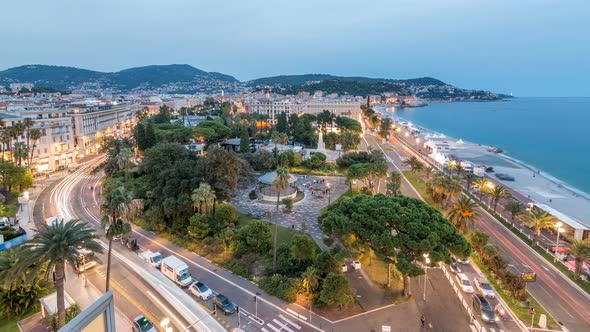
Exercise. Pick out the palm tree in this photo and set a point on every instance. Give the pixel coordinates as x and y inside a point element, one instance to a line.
<point>538,219</point>
<point>55,246</point>
<point>414,164</point>
<point>20,152</point>
<point>464,213</point>
<point>469,179</point>
<point>515,208</point>
<point>395,177</point>
<point>124,162</point>
<point>459,169</point>
<point>203,198</point>
<point>34,135</point>
<point>580,249</point>
<point>453,187</point>
<point>28,124</point>
<point>4,141</point>
<point>118,206</point>
<point>497,193</point>
<point>392,189</point>
<point>427,173</point>
<point>280,183</point>
<point>483,185</point>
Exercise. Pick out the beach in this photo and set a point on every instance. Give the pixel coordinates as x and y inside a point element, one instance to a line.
<point>531,184</point>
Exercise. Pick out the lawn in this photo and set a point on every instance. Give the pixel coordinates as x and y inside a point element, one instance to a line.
<point>420,187</point>
<point>12,205</point>
<point>376,269</point>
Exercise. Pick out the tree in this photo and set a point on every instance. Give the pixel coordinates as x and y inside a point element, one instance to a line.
<point>469,179</point>
<point>316,160</point>
<point>497,193</point>
<point>52,248</point>
<point>34,135</point>
<point>244,140</point>
<point>280,183</point>
<point>326,263</point>
<point>211,130</point>
<point>124,162</point>
<point>139,136</point>
<point>149,135</point>
<point>28,124</point>
<point>515,208</point>
<point>311,280</point>
<point>220,169</point>
<point>227,215</point>
<point>163,115</point>
<point>350,140</point>
<point>483,185</point>
<point>385,127</point>
<point>325,118</point>
<point>199,226</point>
<point>538,219</point>
<point>254,238</point>
<point>282,124</point>
<point>336,289</point>
<point>580,249</point>
<point>347,124</point>
<point>303,248</point>
<point>203,198</point>
<point>427,172</point>
<point>464,213</point>
<point>393,188</point>
<point>20,152</point>
<point>398,227</point>
<point>118,207</point>
<point>414,164</point>
<point>489,252</point>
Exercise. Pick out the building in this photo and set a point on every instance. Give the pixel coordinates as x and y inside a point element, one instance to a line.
<point>92,123</point>
<point>56,145</point>
<point>16,87</point>
<point>272,108</point>
<point>339,106</point>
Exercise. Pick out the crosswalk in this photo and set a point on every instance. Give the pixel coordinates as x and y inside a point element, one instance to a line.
<point>282,324</point>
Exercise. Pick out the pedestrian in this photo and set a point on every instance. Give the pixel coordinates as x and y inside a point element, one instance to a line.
<point>423,320</point>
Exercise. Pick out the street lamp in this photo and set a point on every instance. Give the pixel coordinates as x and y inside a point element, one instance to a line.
<point>329,190</point>
<point>559,230</point>
<point>427,260</point>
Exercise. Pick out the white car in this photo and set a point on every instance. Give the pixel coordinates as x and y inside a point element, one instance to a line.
<point>464,283</point>
<point>201,290</point>
<point>484,287</point>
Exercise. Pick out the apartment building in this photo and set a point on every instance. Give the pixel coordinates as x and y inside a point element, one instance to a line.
<point>56,146</point>
<point>272,108</point>
<point>92,123</point>
<point>342,106</point>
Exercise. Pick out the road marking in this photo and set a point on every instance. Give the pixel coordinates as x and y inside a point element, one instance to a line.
<point>264,329</point>
<point>282,325</point>
<point>272,327</point>
<point>289,321</point>
<point>296,314</point>
<point>567,312</point>
<point>167,310</point>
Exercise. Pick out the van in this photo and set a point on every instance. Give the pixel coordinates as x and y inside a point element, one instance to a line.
<point>176,270</point>
<point>464,283</point>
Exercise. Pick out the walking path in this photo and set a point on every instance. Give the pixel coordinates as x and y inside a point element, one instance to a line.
<point>305,213</point>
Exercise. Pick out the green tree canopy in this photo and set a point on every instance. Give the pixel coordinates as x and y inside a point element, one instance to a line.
<point>254,238</point>
<point>212,130</point>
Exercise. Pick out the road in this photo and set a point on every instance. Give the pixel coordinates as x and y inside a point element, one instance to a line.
<point>558,294</point>
<point>273,314</point>
<point>395,154</point>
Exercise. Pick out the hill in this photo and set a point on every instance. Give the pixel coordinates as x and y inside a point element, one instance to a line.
<point>294,80</point>
<point>164,78</point>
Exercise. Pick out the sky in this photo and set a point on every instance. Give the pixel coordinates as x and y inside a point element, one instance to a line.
<point>527,47</point>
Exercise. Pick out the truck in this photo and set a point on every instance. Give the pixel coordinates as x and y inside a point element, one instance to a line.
<point>152,258</point>
<point>176,270</point>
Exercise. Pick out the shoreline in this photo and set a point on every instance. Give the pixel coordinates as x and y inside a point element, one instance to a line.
<point>541,187</point>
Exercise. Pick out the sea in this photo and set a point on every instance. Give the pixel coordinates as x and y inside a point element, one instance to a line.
<point>548,134</point>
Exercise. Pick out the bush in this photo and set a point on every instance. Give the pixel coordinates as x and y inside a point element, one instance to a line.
<point>328,241</point>
<point>288,204</point>
<point>282,287</point>
<point>253,195</point>
<point>71,312</point>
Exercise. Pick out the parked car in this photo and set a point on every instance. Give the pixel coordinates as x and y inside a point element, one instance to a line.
<point>482,308</point>
<point>223,303</point>
<point>464,261</point>
<point>142,324</point>
<point>356,265</point>
<point>561,249</point>
<point>464,283</point>
<point>344,267</point>
<point>484,287</point>
<point>201,290</point>
<point>455,268</point>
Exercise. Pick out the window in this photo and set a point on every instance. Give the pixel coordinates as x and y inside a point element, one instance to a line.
<point>45,150</point>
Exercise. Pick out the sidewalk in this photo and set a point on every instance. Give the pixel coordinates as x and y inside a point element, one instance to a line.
<point>85,294</point>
